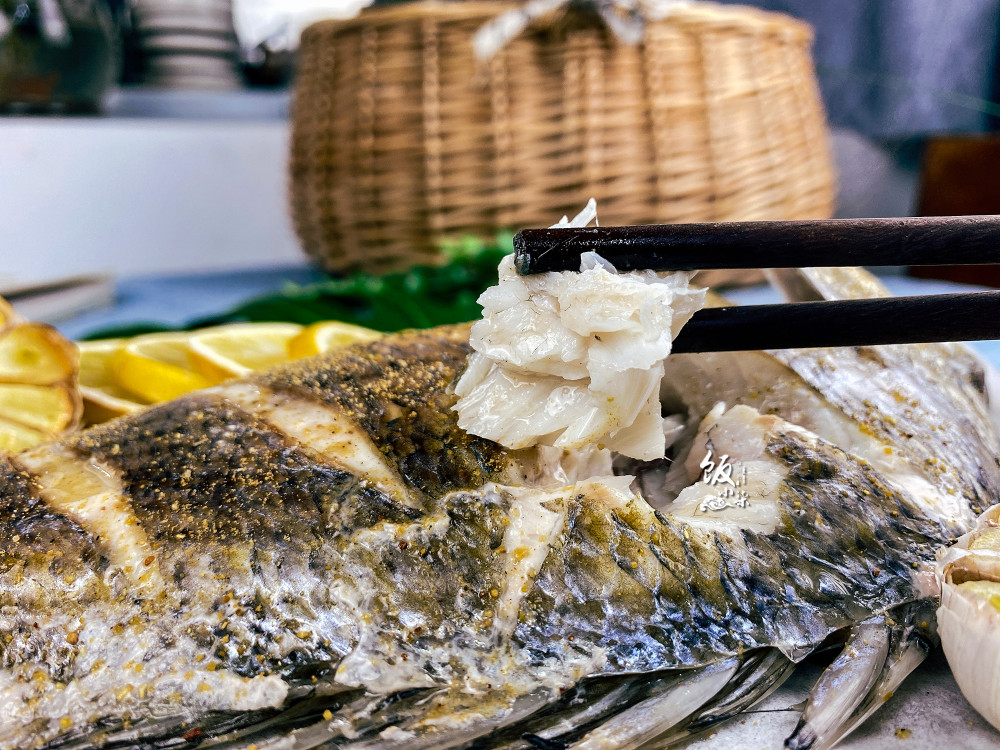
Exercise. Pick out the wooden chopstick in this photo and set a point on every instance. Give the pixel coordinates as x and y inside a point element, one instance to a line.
<point>946,240</point>
<point>969,316</point>
<point>938,240</point>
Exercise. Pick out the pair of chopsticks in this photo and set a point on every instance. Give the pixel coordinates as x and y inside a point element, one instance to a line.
<point>952,240</point>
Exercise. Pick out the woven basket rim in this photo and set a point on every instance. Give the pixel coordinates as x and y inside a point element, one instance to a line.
<point>401,137</point>
<point>740,18</point>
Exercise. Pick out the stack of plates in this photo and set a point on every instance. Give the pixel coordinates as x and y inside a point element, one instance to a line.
<point>187,43</point>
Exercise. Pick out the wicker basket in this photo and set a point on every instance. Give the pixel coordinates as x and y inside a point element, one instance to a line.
<point>401,138</point>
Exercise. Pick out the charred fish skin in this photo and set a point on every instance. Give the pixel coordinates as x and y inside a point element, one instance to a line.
<point>240,522</point>
<point>914,411</point>
<point>918,411</point>
<point>406,410</point>
<point>945,430</point>
<point>240,528</point>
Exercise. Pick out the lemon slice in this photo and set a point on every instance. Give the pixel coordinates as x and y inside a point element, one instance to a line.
<point>118,376</point>
<point>326,335</point>
<point>103,397</point>
<point>157,367</point>
<point>241,348</point>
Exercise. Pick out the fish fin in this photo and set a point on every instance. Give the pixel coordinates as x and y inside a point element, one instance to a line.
<point>212,729</point>
<point>759,675</point>
<point>160,732</point>
<point>361,716</point>
<point>652,717</point>
<point>913,636</point>
<point>844,685</point>
<point>581,708</point>
<point>410,732</point>
<point>624,710</point>
<point>597,702</point>
<point>792,286</point>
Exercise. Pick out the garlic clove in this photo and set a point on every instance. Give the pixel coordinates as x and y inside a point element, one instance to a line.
<point>969,616</point>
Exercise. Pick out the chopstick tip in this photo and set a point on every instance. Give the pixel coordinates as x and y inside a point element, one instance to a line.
<point>522,258</point>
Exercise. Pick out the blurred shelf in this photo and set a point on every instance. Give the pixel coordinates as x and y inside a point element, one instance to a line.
<point>142,103</point>
<point>136,102</point>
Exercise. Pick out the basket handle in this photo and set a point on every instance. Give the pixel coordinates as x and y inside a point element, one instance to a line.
<point>625,18</point>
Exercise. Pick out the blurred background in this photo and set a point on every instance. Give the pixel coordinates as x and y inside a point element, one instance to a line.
<point>142,138</point>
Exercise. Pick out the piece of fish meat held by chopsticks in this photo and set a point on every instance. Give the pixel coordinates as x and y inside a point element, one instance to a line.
<point>320,556</point>
<point>574,359</point>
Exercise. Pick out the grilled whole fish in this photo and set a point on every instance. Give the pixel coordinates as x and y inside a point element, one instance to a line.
<point>319,557</point>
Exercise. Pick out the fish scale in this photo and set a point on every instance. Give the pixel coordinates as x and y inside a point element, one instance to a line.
<point>745,608</point>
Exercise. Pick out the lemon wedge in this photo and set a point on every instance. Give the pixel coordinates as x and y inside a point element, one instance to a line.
<point>38,382</point>
<point>103,397</point>
<point>326,335</point>
<point>240,348</point>
<point>118,376</point>
<point>157,367</point>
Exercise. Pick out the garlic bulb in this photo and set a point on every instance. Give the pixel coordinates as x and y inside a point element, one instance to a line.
<point>969,615</point>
